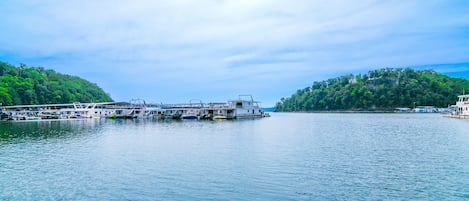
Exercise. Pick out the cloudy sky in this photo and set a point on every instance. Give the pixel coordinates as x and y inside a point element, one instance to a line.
<point>176,50</point>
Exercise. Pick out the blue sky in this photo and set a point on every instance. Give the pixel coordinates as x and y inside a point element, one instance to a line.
<point>213,50</point>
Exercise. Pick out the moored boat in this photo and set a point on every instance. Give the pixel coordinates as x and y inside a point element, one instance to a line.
<point>190,114</point>
<point>246,108</point>
<point>461,108</point>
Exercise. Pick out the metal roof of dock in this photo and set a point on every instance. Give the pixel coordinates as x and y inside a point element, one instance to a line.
<point>63,105</point>
<point>250,99</point>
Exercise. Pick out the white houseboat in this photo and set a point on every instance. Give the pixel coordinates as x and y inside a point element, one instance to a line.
<point>461,109</point>
<point>246,108</point>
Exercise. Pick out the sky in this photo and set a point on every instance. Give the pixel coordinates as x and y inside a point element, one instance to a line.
<point>214,50</point>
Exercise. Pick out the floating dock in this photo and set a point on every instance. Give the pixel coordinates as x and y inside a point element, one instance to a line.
<point>233,109</point>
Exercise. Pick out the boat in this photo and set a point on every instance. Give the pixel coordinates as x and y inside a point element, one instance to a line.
<point>4,116</point>
<point>425,109</point>
<point>24,118</point>
<point>461,108</point>
<point>33,118</point>
<point>220,117</point>
<point>125,113</point>
<point>49,115</point>
<point>220,111</point>
<point>246,107</point>
<point>190,114</point>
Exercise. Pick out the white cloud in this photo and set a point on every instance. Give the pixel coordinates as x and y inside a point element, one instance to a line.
<point>209,45</point>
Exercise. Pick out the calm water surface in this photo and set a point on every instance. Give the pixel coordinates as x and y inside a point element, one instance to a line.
<point>284,157</point>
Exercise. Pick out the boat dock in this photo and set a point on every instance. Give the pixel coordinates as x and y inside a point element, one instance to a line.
<point>234,109</point>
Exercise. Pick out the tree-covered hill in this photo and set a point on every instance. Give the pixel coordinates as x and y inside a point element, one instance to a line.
<point>383,89</point>
<point>23,85</point>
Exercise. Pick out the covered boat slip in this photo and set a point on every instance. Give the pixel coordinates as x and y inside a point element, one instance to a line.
<point>60,111</point>
<point>200,111</point>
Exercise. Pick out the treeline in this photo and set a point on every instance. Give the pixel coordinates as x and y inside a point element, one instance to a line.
<point>383,89</point>
<point>24,85</point>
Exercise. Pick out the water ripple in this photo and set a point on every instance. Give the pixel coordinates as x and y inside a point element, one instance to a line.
<point>285,157</point>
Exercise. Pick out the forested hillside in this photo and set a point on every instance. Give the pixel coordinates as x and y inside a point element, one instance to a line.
<point>23,85</point>
<point>383,89</point>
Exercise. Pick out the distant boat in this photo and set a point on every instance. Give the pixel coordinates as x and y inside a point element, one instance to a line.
<point>425,109</point>
<point>461,108</point>
<point>403,110</point>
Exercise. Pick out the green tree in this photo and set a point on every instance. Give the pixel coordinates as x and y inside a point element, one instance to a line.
<point>382,89</point>
<point>29,85</point>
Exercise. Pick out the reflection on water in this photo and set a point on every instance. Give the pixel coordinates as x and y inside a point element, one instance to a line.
<point>38,130</point>
<point>284,157</point>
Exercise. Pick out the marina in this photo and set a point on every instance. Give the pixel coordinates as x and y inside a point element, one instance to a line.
<point>242,107</point>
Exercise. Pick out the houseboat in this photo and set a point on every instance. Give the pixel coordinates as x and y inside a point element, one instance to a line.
<point>246,107</point>
<point>461,108</point>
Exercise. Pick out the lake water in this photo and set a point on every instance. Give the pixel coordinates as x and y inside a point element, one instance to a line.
<point>284,157</point>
